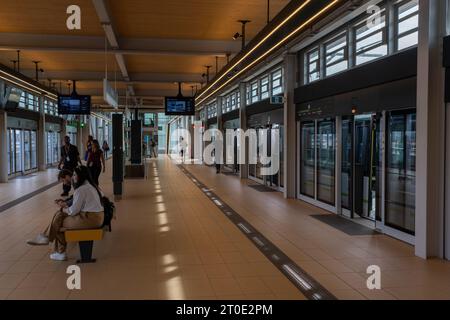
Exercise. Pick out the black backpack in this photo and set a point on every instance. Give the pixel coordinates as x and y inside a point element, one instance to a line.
<point>108,208</point>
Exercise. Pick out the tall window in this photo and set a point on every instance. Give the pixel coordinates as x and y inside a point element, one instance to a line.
<point>211,111</point>
<point>254,92</point>
<point>407,17</point>
<point>336,55</point>
<point>265,88</point>
<point>371,40</point>
<point>277,82</point>
<point>313,65</point>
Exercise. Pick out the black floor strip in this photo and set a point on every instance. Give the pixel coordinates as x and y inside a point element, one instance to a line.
<point>347,226</point>
<point>261,188</point>
<point>312,289</point>
<point>14,203</point>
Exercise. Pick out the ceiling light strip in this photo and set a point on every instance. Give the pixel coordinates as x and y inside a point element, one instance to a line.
<point>272,49</point>
<point>258,44</point>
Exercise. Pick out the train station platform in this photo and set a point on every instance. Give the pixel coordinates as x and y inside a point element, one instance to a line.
<point>172,239</point>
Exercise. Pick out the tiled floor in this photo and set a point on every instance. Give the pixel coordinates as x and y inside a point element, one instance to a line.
<point>338,261</point>
<point>20,186</point>
<point>171,242</point>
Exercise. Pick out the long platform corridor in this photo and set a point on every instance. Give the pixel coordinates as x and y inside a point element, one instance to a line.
<point>183,247</point>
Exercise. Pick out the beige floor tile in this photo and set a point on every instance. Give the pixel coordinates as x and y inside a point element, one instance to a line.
<point>36,280</point>
<point>11,281</point>
<point>26,294</point>
<point>224,286</point>
<point>252,285</point>
<point>217,271</point>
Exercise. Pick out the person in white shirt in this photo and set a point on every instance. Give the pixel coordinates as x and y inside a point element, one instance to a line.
<point>85,212</point>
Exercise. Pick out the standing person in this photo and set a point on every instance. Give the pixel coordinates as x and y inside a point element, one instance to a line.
<point>105,148</point>
<point>88,147</point>
<point>70,158</point>
<point>153,149</point>
<point>183,147</point>
<point>144,149</point>
<point>96,161</point>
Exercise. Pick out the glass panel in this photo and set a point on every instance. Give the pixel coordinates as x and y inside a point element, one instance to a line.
<point>371,54</point>
<point>337,68</point>
<point>408,24</point>
<point>265,88</point>
<point>407,8</point>
<point>401,171</point>
<point>27,150</point>
<point>277,82</point>
<point>346,182</point>
<point>18,150</point>
<point>307,162</point>
<point>408,41</point>
<point>326,150</point>
<point>254,93</point>
<point>33,150</point>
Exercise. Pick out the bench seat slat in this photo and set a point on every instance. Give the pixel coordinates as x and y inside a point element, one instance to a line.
<point>84,235</point>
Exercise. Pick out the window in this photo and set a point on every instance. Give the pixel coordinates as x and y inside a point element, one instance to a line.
<point>313,65</point>
<point>211,111</point>
<point>254,96</point>
<point>370,40</point>
<point>407,17</point>
<point>277,82</point>
<point>248,95</point>
<point>264,88</point>
<point>233,101</point>
<point>22,100</point>
<point>336,55</point>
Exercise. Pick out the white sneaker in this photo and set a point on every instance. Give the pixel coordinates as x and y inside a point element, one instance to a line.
<point>58,256</point>
<point>40,240</point>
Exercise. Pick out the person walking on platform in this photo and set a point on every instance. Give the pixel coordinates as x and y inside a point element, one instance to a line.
<point>70,158</point>
<point>96,161</point>
<point>88,147</point>
<point>85,212</point>
<point>183,148</point>
<point>153,149</point>
<point>105,148</point>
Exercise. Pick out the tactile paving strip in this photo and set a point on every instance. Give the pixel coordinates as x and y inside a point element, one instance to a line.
<point>307,285</point>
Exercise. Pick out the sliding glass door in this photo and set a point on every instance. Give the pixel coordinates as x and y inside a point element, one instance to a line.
<point>318,161</point>
<point>401,171</point>
<point>307,158</point>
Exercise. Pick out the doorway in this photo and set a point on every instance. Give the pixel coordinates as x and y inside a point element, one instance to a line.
<point>361,165</point>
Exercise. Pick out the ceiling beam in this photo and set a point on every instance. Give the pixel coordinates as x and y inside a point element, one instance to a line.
<point>141,77</point>
<point>105,20</point>
<point>140,93</point>
<point>128,46</point>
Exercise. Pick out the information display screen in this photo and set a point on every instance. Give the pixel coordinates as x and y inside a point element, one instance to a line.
<point>71,104</point>
<point>180,106</point>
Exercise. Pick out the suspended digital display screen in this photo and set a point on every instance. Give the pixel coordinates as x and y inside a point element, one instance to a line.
<point>74,104</point>
<point>180,106</point>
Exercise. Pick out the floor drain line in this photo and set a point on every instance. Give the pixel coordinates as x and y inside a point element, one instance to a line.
<point>307,285</point>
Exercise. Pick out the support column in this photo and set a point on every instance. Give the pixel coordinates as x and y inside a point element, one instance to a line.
<point>42,142</point>
<point>243,168</point>
<point>85,132</point>
<point>290,67</point>
<point>79,142</point>
<point>4,161</point>
<point>220,128</point>
<point>430,131</point>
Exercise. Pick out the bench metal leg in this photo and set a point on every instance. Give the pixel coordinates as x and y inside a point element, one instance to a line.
<point>86,252</point>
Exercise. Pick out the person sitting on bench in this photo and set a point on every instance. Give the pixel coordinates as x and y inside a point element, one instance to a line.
<point>86,212</point>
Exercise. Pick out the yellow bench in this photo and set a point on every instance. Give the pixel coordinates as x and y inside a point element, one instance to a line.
<point>85,239</point>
